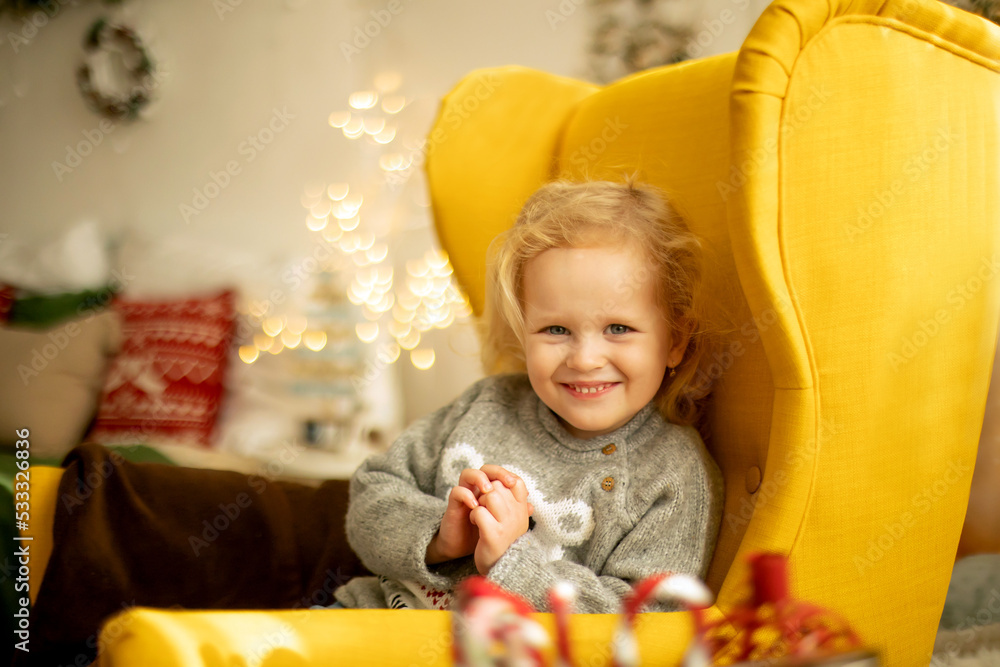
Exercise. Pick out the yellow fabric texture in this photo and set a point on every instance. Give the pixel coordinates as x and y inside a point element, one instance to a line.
<point>873,228</point>
<point>482,107</point>
<point>844,171</point>
<point>157,638</point>
<point>43,486</point>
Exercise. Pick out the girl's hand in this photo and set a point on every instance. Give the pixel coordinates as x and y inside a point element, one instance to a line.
<point>458,536</point>
<point>501,518</point>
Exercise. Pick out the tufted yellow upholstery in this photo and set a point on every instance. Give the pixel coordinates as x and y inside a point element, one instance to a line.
<point>854,200</point>
<point>844,169</point>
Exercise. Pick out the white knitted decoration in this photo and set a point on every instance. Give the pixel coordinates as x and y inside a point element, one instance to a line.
<point>559,524</point>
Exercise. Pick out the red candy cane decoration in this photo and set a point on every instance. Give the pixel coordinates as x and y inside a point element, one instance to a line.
<point>666,588</point>
<point>491,615</point>
<point>495,627</point>
<point>562,596</point>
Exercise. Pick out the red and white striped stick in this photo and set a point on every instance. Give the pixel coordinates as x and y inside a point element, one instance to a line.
<point>562,597</point>
<point>666,588</point>
<point>489,616</point>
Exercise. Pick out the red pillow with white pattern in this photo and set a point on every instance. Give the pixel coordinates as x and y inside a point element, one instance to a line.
<point>6,301</point>
<point>167,381</point>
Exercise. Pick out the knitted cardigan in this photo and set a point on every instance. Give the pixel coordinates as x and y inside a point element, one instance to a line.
<point>609,510</point>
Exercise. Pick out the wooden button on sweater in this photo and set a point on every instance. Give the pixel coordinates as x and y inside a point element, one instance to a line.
<point>609,449</point>
<point>608,483</point>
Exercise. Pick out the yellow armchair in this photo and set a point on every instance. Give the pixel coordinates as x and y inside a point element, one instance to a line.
<point>844,170</point>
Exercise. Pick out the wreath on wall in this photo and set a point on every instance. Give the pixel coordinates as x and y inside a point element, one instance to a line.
<point>117,75</point>
<point>633,35</point>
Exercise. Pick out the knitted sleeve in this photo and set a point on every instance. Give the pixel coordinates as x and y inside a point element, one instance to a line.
<point>393,512</point>
<point>676,533</point>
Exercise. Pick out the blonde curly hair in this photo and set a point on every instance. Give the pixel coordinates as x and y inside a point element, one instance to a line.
<point>566,214</point>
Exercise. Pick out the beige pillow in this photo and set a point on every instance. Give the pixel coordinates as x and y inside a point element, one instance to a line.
<point>51,379</point>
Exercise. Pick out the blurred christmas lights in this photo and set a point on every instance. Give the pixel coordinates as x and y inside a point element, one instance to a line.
<point>402,308</point>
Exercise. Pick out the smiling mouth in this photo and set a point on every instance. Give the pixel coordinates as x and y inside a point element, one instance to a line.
<point>590,389</point>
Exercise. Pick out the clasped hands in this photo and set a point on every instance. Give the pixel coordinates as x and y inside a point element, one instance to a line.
<point>486,512</point>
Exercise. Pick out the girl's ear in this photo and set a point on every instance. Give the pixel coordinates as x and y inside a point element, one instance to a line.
<point>680,336</point>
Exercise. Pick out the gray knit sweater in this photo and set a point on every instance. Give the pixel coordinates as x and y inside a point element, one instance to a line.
<point>609,510</point>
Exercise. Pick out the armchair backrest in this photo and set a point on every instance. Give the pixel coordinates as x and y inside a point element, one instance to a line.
<point>844,171</point>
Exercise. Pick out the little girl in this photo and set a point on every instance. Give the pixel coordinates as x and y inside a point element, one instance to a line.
<point>583,466</point>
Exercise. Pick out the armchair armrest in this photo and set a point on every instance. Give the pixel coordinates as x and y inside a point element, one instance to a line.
<point>43,486</point>
<point>298,638</point>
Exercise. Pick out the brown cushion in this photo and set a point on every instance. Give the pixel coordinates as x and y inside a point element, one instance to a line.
<point>50,380</point>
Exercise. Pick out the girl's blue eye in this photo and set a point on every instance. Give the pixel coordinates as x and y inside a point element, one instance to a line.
<point>557,330</point>
<point>618,329</point>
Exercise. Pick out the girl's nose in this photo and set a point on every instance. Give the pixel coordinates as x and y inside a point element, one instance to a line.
<point>586,355</point>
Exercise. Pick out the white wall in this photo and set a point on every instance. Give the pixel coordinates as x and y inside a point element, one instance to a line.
<point>226,72</point>
<point>724,24</point>
<point>225,78</point>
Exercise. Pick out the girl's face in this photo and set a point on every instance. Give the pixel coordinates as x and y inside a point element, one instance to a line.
<point>595,342</point>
